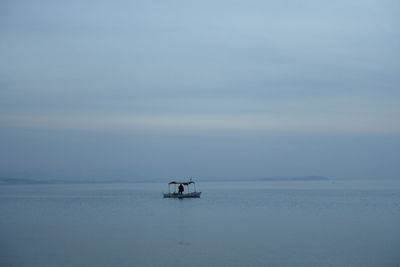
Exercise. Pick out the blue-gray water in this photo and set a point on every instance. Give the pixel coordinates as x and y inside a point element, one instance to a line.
<point>305,223</point>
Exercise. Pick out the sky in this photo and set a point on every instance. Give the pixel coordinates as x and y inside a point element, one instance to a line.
<point>142,90</point>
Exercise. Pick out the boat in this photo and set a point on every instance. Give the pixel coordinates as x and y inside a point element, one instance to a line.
<point>190,189</point>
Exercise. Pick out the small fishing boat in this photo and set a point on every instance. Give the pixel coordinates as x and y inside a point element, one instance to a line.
<point>178,190</point>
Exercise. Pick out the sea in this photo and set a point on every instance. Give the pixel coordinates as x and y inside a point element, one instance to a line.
<point>262,223</point>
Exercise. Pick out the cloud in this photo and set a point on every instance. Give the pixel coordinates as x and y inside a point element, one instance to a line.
<point>195,123</point>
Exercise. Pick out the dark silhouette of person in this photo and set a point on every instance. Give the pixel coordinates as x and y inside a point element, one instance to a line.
<point>181,189</point>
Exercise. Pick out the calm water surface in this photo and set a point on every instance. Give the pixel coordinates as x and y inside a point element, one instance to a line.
<point>328,223</point>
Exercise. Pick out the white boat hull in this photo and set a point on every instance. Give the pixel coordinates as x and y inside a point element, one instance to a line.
<point>177,195</point>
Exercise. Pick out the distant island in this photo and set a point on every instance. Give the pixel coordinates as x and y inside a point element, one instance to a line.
<point>310,178</point>
<point>6,180</point>
<point>298,178</point>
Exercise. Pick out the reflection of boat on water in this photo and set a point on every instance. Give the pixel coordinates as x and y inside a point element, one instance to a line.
<point>190,186</point>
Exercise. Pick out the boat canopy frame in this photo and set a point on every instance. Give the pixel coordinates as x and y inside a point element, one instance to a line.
<point>191,190</point>
<point>184,183</point>
<point>179,183</point>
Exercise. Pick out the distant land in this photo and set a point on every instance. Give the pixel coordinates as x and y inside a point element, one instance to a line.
<point>16,181</point>
<point>5,180</point>
<point>297,178</point>
<point>310,178</point>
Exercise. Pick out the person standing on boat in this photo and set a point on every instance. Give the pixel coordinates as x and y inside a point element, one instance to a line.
<point>181,189</point>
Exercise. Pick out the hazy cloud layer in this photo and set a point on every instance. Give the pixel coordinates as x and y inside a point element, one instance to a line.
<point>210,123</point>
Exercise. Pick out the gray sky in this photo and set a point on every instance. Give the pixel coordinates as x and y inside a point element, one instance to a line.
<point>156,89</point>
